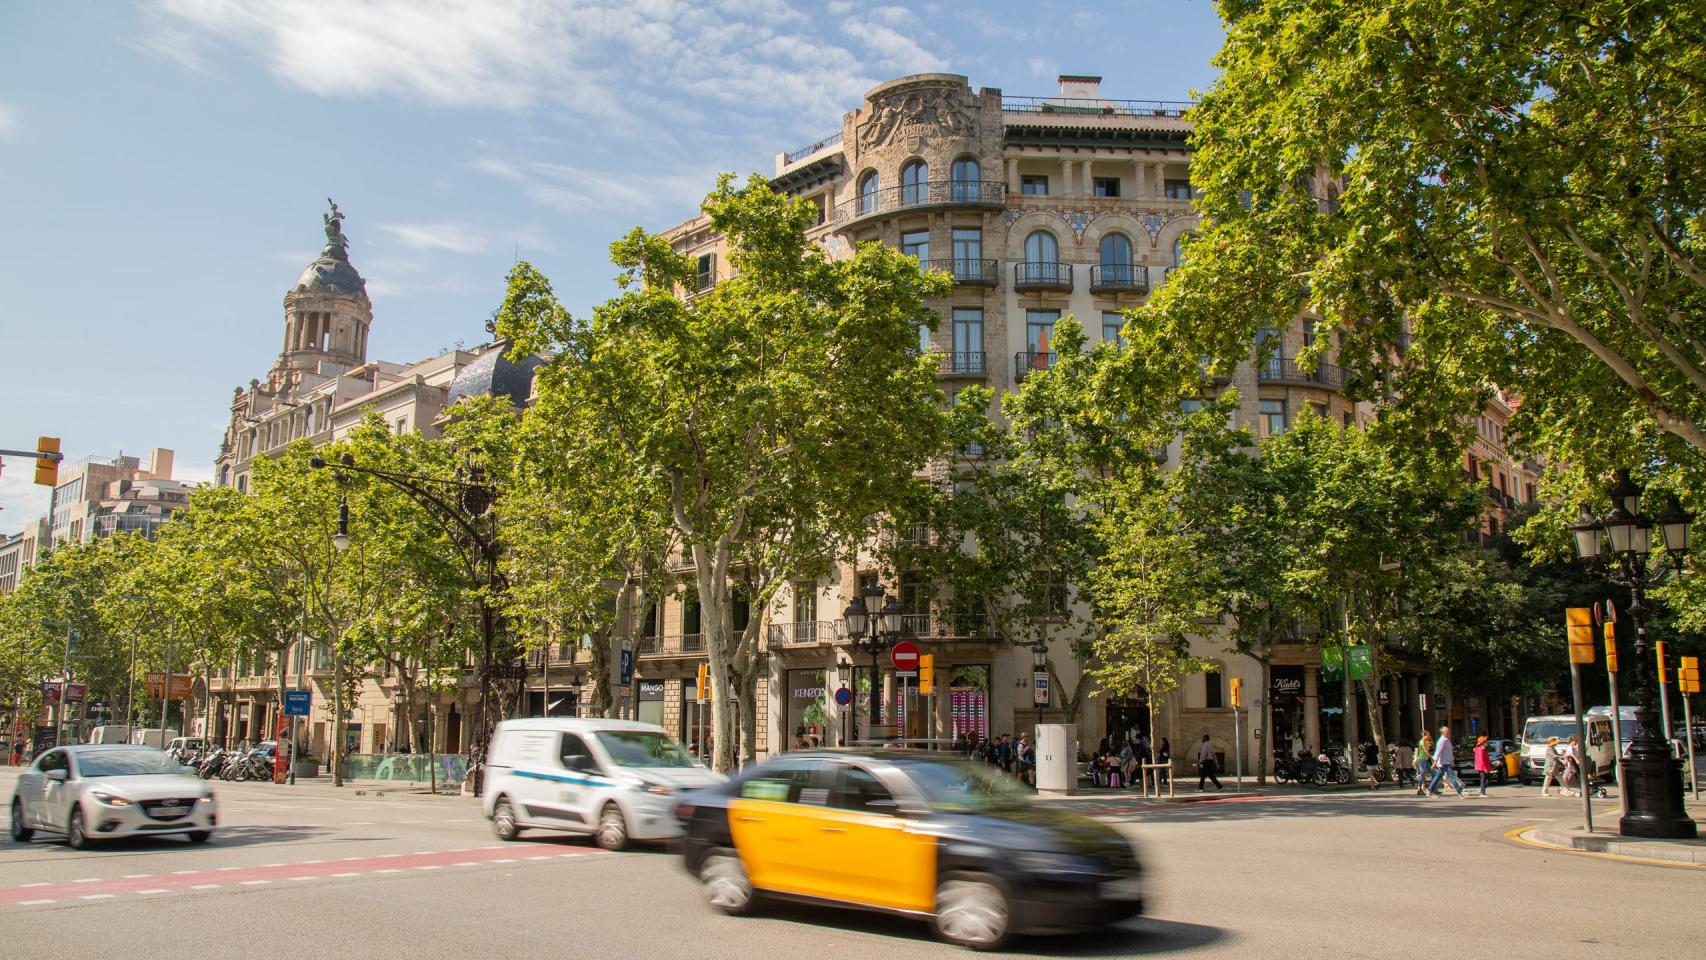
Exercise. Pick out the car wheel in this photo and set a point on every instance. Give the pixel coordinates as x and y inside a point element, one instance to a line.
<point>723,878</point>
<point>503,820</point>
<point>612,828</point>
<point>20,832</point>
<point>200,836</point>
<point>75,836</point>
<point>972,912</point>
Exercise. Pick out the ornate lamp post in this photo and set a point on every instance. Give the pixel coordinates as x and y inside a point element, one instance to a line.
<point>873,633</point>
<point>467,516</point>
<point>1652,777</point>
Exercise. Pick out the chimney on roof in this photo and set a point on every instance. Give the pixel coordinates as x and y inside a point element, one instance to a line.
<point>159,465</point>
<point>1080,87</point>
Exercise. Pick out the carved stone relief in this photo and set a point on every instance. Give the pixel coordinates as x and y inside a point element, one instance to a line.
<point>916,117</point>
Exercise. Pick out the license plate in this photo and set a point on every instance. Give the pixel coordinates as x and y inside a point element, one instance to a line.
<point>1130,888</point>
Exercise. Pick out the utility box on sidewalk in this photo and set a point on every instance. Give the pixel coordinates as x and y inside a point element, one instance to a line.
<point>1057,758</point>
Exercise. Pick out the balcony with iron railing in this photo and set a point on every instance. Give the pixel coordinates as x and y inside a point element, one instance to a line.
<point>1119,278</point>
<point>1078,106</point>
<point>794,156</point>
<point>1025,362</point>
<point>650,645</point>
<point>804,632</point>
<point>976,273</point>
<point>692,643</point>
<point>1042,275</point>
<point>974,363</point>
<point>930,193</point>
<point>1287,370</point>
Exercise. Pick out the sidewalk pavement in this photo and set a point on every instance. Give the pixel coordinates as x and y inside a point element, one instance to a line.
<point>1607,842</point>
<point>376,788</point>
<point>1188,793</point>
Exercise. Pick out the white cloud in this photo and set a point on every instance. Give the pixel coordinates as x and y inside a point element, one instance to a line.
<point>436,236</point>
<point>21,501</point>
<point>8,121</point>
<point>570,188</point>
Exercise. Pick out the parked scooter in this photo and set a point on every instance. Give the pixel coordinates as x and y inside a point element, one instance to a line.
<point>211,763</point>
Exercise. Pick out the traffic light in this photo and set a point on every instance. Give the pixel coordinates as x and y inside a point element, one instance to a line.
<point>47,467</point>
<point>1688,676</point>
<point>927,674</point>
<point>1237,693</point>
<point>1579,623</point>
<point>1611,647</point>
<point>704,686</point>
<point>1664,675</point>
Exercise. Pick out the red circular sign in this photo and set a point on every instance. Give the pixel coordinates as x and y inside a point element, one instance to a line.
<point>904,656</point>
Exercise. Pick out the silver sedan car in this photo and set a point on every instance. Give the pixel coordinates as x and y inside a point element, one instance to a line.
<point>100,791</point>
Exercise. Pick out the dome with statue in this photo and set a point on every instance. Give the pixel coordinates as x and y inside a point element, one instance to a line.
<point>332,269</point>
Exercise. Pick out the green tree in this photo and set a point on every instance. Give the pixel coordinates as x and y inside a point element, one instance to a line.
<point>749,406</point>
<point>1470,193</point>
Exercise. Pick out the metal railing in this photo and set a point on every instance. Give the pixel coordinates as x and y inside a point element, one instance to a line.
<point>807,151</point>
<point>973,363</point>
<point>984,273</point>
<point>984,193</point>
<point>1042,275</point>
<point>807,631</point>
<point>651,645</point>
<point>915,535</point>
<point>1114,277</point>
<point>692,643</point>
<point>1096,106</point>
<point>1286,370</point>
<point>1025,361</point>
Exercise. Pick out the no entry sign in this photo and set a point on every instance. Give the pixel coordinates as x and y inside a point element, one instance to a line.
<point>904,656</point>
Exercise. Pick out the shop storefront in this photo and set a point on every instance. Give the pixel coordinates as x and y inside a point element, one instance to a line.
<point>808,709</point>
<point>650,704</point>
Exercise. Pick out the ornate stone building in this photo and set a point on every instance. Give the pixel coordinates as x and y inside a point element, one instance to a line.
<point>1039,208</point>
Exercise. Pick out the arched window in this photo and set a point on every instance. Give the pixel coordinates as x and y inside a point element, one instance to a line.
<point>913,179</point>
<point>868,193</point>
<point>1115,253</point>
<point>1042,256</point>
<point>966,174</point>
<point>1179,250</point>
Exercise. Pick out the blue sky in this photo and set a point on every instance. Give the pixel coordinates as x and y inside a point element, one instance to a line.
<point>164,164</point>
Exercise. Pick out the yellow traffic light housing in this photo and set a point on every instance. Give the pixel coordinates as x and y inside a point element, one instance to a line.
<point>1237,692</point>
<point>1664,675</point>
<point>1578,622</point>
<point>927,674</point>
<point>1688,675</point>
<point>1611,647</point>
<point>703,689</point>
<point>47,461</point>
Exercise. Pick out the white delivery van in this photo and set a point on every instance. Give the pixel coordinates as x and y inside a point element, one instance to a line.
<point>1625,723</point>
<point>617,780</point>
<point>154,737</point>
<point>110,733</point>
<point>1600,751</point>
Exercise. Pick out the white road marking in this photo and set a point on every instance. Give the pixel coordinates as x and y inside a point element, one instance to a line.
<point>507,860</point>
<point>359,823</point>
<point>137,876</point>
<point>306,862</point>
<point>430,866</point>
<point>530,858</point>
<point>309,877</point>
<point>97,896</point>
<point>206,886</point>
<point>383,856</point>
<point>465,863</point>
<point>344,859</point>
<point>346,874</point>
<point>390,870</point>
<point>155,890</point>
<point>34,903</point>
<point>94,879</point>
<point>253,883</point>
<point>42,884</point>
<point>222,869</point>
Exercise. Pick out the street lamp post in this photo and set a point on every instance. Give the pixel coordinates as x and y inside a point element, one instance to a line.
<point>472,524</point>
<point>873,633</point>
<point>1039,665</point>
<point>1652,777</point>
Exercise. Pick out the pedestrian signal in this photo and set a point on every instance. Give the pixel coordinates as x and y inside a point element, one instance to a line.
<point>927,674</point>
<point>1688,676</point>
<point>47,461</point>
<point>1237,692</point>
<point>1578,622</point>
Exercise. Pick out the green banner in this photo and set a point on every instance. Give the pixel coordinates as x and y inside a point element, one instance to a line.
<point>1362,662</point>
<point>1332,663</point>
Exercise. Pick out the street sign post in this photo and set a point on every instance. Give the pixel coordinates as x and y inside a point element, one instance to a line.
<point>1688,682</point>
<point>1578,624</point>
<point>904,656</point>
<point>297,702</point>
<point>1039,687</point>
<point>843,697</point>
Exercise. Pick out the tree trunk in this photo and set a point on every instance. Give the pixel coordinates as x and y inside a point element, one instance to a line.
<point>712,576</point>
<point>337,745</point>
<point>1264,749</point>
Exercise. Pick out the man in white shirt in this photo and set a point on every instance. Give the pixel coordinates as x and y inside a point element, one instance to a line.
<point>1207,764</point>
<point>1445,765</point>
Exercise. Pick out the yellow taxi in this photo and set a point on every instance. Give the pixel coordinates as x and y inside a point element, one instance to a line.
<point>908,832</point>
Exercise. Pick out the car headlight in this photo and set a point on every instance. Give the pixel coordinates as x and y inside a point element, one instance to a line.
<point>110,799</point>
<point>662,790</point>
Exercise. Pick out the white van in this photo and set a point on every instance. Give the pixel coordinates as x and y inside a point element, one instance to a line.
<point>617,780</point>
<point>153,737</point>
<point>1600,751</point>
<point>110,733</point>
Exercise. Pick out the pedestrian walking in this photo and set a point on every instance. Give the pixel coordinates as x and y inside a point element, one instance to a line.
<point>1483,766</point>
<point>1573,768</point>
<point>1445,765</point>
<point>1004,753</point>
<point>1207,764</point>
<point>1025,755</point>
<point>1424,762</point>
<point>1554,769</point>
<point>1164,757</point>
<point>1371,765</point>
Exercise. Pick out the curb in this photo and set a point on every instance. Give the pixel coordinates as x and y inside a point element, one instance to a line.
<point>1680,854</point>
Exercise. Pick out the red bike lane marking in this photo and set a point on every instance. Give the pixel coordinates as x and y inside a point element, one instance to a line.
<point>228,877</point>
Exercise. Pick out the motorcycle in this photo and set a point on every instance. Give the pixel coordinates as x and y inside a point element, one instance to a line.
<point>211,763</point>
<point>1330,769</point>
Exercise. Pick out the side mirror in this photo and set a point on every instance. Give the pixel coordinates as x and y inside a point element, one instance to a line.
<point>58,776</point>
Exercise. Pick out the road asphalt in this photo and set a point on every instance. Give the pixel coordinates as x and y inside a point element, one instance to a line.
<point>317,872</point>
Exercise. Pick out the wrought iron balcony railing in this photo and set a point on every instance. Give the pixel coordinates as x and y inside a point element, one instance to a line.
<point>1025,362</point>
<point>807,631</point>
<point>930,193</point>
<point>1119,278</point>
<point>1042,275</point>
<point>973,363</point>
<point>977,273</point>
<point>1286,370</point>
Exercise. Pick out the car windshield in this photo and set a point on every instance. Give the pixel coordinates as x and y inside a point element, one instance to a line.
<point>639,748</point>
<point>1538,730</point>
<point>125,763</point>
<point>956,787</point>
